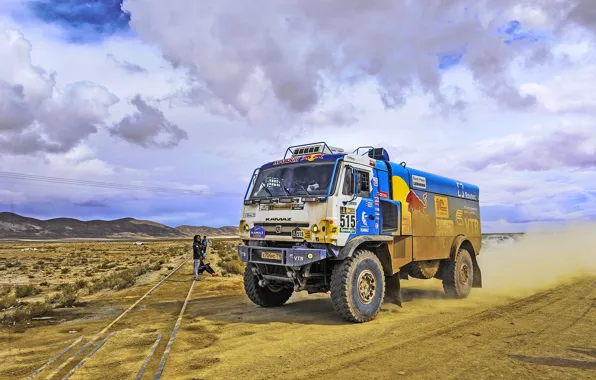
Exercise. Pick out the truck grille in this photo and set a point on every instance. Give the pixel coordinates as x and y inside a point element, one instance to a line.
<point>285,230</point>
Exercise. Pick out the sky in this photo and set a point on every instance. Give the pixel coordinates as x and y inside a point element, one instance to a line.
<point>192,96</point>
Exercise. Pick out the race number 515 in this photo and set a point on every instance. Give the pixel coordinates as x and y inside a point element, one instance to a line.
<point>348,221</point>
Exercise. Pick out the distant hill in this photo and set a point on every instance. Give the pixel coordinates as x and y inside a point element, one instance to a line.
<point>209,231</point>
<point>13,226</point>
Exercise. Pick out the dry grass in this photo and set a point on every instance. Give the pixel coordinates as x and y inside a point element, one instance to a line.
<point>229,262</point>
<point>64,273</point>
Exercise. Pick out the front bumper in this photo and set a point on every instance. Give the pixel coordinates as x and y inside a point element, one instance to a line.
<point>291,257</point>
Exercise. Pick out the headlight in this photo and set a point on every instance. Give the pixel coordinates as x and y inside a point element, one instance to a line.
<point>314,228</point>
<point>246,228</point>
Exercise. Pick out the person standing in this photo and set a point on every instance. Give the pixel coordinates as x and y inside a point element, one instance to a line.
<point>203,254</point>
<point>204,244</point>
<point>197,253</point>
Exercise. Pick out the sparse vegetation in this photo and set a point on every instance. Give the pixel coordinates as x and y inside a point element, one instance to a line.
<point>7,301</point>
<point>25,313</point>
<point>229,263</point>
<point>66,298</point>
<point>25,291</point>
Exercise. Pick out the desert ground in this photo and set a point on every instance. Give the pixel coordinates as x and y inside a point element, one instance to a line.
<point>534,318</point>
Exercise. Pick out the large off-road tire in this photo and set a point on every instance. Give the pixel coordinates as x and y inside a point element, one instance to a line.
<point>423,269</point>
<point>358,287</point>
<point>458,274</point>
<point>268,296</point>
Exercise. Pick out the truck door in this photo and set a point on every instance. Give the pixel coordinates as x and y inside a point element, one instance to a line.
<point>358,216</point>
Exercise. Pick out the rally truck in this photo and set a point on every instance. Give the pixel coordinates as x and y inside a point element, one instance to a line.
<point>354,224</point>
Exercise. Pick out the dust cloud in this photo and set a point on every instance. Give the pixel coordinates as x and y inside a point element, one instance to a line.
<point>539,260</point>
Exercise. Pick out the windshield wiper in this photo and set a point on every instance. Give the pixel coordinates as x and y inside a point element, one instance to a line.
<point>267,190</point>
<point>306,191</point>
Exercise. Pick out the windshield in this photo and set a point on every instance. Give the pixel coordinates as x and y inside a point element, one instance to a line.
<point>291,180</point>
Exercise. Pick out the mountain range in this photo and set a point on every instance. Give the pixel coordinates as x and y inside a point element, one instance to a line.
<point>14,226</point>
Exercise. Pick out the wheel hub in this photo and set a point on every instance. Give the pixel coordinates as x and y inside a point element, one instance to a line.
<point>366,286</point>
<point>275,288</point>
<point>464,274</point>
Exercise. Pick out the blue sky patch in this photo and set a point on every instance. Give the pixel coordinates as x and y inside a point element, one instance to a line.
<point>83,21</point>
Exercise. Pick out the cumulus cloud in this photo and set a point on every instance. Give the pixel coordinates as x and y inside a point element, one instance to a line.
<point>540,149</point>
<point>131,68</point>
<point>37,116</point>
<point>148,127</point>
<point>292,51</point>
<point>569,92</point>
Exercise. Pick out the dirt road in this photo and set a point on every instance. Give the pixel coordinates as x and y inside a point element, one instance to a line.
<point>546,335</point>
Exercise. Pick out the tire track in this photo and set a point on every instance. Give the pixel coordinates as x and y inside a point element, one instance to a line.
<point>114,324</point>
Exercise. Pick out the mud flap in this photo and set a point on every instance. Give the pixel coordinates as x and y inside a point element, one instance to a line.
<point>393,289</point>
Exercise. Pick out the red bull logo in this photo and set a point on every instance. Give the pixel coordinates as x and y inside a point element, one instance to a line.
<point>312,157</point>
<point>415,203</point>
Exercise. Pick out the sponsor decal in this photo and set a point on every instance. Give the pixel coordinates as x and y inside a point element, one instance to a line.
<point>445,227</point>
<point>377,201</point>
<point>257,232</point>
<point>377,226</point>
<point>363,219</point>
<point>278,229</point>
<point>333,230</point>
<point>377,209</point>
<point>375,181</point>
<point>459,217</point>
<point>311,157</point>
<point>264,207</point>
<point>290,160</point>
<point>298,206</point>
<point>347,210</point>
<point>418,181</point>
<point>441,207</point>
<point>249,214</point>
<point>415,203</point>
<point>472,226</point>
<point>278,219</point>
<point>347,219</point>
<point>369,203</point>
<point>347,230</point>
<point>353,203</point>
<point>462,193</point>
<point>383,194</point>
<point>297,233</point>
<point>364,229</point>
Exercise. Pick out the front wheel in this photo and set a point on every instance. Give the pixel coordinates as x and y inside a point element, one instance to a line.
<point>268,296</point>
<point>358,287</point>
<point>458,275</point>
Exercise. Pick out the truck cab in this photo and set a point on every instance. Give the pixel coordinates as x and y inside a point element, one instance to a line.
<point>353,224</point>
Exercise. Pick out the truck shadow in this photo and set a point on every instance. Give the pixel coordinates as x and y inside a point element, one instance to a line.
<point>301,309</point>
<point>563,362</point>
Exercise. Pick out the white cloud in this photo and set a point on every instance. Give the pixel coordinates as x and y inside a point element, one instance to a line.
<point>568,92</point>
<point>242,85</point>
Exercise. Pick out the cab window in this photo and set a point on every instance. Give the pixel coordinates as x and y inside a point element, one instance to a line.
<point>363,183</point>
<point>348,187</point>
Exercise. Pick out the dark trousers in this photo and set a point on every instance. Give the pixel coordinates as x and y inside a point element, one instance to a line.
<point>201,267</point>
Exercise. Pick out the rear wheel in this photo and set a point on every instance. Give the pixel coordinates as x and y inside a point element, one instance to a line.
<point>358,287</point>
<point>268,296</point>
<point>458,275</point>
